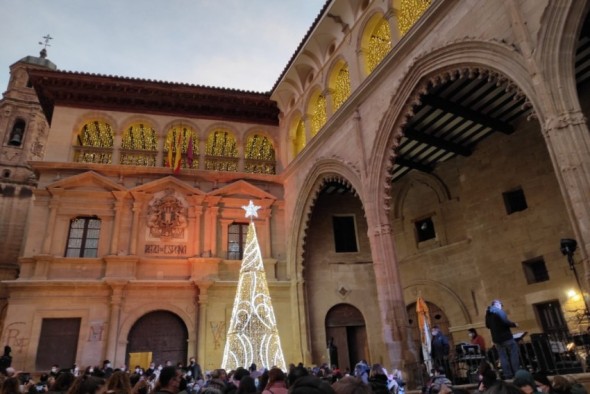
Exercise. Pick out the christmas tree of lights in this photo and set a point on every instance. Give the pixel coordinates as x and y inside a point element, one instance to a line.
<point>252,336</point>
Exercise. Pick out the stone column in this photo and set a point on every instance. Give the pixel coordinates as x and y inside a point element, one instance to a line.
<point>568,142</point>
<point>137,209</point>
<point>394,320</point>
<point>54,204</point>
<point>117,289</point>
<point>202,300</point>
<point>329,103</point>
<point>202,152</point>
<point>117,139</point>
<point>118,208</point>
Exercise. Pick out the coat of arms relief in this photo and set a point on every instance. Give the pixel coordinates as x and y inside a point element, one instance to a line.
<point>167,217</point>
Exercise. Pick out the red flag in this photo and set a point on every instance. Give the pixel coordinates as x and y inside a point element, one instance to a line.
<point>178,157</point>
<point>189,152</point>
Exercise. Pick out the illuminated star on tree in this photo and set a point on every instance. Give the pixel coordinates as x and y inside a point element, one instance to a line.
<point>251,210</point>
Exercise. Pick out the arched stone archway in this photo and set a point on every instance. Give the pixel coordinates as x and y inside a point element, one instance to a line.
<point>162,333</point>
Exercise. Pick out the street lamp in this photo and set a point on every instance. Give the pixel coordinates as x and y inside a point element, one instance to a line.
<point>568,247</point>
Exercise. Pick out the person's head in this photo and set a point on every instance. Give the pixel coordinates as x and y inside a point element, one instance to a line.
<point>11,385</point>
<point>351,385</point>
<point>252,367</point>
<point>561,384</point>
<point>63,381</point>
<point>7,350</point>
<point>275,375</point>
<point>497,304</point>
<point>297,373</point>
<point>119,381</point>
<point>86,384</point>
<point>311,385</point>
<point>239,373</point>
<point>543,382</point>
<point>192,360</point>
<point>169,379</point>
<point>247,385</point>
<point>502,387</point>
<point>472,332</point>
<point>435,330</point>
<point>487,379</point>
<point>376,369</point>
<point>217,384</point>
<point>524,381</point>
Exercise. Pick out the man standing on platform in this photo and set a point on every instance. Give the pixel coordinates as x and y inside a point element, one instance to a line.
<point>440,351</point>
<point>195,370</point>
<point>499,324</point>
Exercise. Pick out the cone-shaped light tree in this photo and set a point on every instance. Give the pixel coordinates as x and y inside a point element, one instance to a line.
<point>252,336</point>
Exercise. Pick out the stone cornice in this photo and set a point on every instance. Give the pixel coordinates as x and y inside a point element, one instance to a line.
<point>109,93</point>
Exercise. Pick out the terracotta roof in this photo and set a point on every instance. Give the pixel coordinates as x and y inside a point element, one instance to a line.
<point>94,91</point>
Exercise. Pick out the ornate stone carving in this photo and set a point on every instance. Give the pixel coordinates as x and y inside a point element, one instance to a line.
<point>564,120</point>
<point>167,217</point>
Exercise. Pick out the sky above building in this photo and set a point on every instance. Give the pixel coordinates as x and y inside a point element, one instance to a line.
<point>240,44</point>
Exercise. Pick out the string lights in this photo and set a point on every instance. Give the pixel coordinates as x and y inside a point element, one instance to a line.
<point>252,336</point>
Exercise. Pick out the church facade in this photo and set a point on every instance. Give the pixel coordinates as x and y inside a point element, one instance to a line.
<point>409,149</point>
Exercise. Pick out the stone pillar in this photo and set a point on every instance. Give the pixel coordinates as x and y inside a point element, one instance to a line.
<point>117,139</point>
<point>202,152</point>
<point>118,208</point>
<point>329,103</point>
<point>394,320</point>
<point>137,209</point>
<point>117,289</point>
<point>160,150</point>
<point>241,157</point>
<point>568,141</point>
<point>202,300</point>
<point>299,313</point>
<point>54,204</point>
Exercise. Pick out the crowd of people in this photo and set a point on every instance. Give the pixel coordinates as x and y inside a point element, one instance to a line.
<point>190,379</point>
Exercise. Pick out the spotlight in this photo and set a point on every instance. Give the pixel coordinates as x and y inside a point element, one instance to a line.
<point>568,246</point>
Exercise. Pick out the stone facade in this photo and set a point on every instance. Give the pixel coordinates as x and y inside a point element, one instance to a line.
<point>479,249</point>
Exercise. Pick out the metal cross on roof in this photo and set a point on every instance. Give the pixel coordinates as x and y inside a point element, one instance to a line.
<point>46,44</point>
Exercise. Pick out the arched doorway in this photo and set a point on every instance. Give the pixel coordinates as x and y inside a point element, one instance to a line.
<point>162,333</point>
<point>347,336</point>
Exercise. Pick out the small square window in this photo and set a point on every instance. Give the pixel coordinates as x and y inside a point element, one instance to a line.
<point>425,229</point>
<point>535,270</point>
<point>514,201</point>
<point>344,234</point>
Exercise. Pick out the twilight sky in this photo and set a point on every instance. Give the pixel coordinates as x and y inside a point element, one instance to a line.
<point>240,44</point>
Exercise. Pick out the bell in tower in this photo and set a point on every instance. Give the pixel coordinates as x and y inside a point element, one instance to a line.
<point>16,136</point>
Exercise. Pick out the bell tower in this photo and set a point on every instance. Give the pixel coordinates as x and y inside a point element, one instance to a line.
<point>23,135</point>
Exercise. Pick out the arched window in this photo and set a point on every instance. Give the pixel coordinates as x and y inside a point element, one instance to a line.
<point>259,155</point>
<point>139,146</point>
<point>95,143</point>
<point>298,136</point>
<point>221,151</point>
<point>18,133</point>
<point>83,237</point>
<point>339,85</point>
<point>317,113</point>
<point>376,42</point>
<point>187,139</point>
<point>409,12</point>
<point>236,240</point>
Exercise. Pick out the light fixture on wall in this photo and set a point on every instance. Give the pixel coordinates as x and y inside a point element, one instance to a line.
<point>568,247</point>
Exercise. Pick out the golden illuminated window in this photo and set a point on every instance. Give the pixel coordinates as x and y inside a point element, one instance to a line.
<point>189,147</point>
<point>318,114</point>
<point>95,143</point>
<point>139,145</point>
<point>379,45</point>
<point>410,11</point>
<point>221,151</point>
<point>260,155</point>
<point>340,85</point>
<point>299,141</point>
